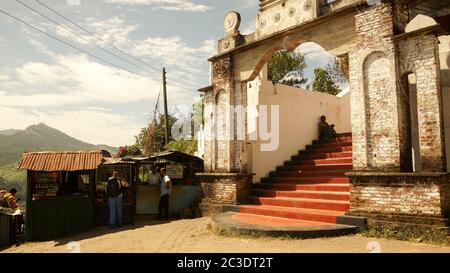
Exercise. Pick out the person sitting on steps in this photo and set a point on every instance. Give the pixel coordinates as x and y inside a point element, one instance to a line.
<point>326,131</point>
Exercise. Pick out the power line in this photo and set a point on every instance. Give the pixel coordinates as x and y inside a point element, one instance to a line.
<point>79,36</point>
<point>66,43</point>
<point>79,49</point>
<point>109,43</point>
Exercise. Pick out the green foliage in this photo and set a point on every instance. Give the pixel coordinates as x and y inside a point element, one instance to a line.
<point>287,68</point>
<point>324,83</point>
<point>132,150</point>
<point>188,146</point>
<point>151,139</point>
<point>408,233</point>
<point>334,68</point>
<point>10,177</point>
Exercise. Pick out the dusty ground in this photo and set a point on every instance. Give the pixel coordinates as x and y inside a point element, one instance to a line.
<point>193,235</point>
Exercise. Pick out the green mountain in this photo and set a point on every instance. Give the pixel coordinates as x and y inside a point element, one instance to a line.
<point>34,138</point>
<point>40,138</point>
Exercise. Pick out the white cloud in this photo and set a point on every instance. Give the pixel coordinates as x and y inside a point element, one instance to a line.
<point>173,51</point>
<point>4,77</point>
<point>172,5</point>
<point>315,54</point>
<point>249,28</point>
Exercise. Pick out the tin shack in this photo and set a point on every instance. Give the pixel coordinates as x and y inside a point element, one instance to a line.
<point>60,192</point>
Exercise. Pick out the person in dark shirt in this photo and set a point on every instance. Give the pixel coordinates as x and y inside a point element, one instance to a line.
<point>326,131</point>
<point>114,195</point>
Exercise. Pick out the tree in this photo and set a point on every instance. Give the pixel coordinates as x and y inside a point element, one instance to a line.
<point>335,70</point>
<point>188,146</point>
<point>133,150</point>
<point>287,68</point>
<point>151,139</point>
<point>323,82</point>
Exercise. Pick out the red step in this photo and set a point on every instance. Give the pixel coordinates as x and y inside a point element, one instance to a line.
<point>319,204</point>
<point>319,162</point>
<point>334,144</point>
<point>326,150</point>
<point>255,219</point>
<point>307,180</point>
<point>324,216</point>
<point>308,174</point>
<point>310,187</point>
<point>330,167</point>
<point>306,187</point>
<point>343,139</point>
<point>328,195</point>
<point>322,156</point>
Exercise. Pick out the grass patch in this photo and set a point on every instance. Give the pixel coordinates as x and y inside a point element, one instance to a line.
<point>408,233</point>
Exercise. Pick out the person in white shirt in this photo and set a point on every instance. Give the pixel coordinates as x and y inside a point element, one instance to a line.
<point>166,189</point>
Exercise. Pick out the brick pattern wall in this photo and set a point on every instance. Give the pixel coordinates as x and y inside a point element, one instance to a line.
<point>222,190</point>
<point>218,149</point>
<point>425,196</point>
<point>420,55</point>
<point>375,97</point>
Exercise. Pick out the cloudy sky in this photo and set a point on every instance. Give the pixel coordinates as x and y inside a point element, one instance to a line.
<point>101,98</point>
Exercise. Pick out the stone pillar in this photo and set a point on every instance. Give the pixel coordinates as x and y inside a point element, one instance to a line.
<point>376,98</point>
<point>221,128</point>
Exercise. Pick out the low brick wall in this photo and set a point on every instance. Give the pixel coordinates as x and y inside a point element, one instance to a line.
<point>221,190</point>
<point>401,198</point>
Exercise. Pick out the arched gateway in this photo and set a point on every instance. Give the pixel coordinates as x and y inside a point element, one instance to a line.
<point>398,128</point>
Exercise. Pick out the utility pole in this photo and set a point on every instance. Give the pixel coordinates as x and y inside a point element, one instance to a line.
<point>166,114</point>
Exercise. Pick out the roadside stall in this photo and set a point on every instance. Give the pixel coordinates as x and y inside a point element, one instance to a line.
<point>60,192</point>
<point>181,168</point>
<point>126,170</point>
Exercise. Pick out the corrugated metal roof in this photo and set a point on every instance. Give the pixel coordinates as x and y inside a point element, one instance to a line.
<point>62,161</point>
<point>115,161</point>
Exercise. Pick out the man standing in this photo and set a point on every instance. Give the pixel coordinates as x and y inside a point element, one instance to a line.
<point>114,195</point>
<point>166,189</point>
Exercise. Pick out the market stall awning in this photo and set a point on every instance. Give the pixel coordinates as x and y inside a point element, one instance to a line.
<point>62,160</point>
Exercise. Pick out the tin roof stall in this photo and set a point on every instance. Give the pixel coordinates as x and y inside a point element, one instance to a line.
<point>181,168</point>
<point>60,192</point>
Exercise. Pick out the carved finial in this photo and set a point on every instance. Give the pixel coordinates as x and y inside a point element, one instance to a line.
<point>232,23</point>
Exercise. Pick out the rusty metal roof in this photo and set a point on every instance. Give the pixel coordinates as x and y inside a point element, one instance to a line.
<point>62,161</point>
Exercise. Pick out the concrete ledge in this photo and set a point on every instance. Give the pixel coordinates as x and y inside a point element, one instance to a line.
<point>223,223</point>
<point>360,222</point>
<point>396,174</point>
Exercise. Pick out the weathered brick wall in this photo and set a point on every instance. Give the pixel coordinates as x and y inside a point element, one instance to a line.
<point>407,195</point>
<point>224,189</point>
<point>419,54</point>
<point>218,149</point>
<point>208,160</point>
<point>376,113</point>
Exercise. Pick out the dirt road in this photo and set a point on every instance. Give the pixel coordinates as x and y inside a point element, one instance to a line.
<point>193,236</point>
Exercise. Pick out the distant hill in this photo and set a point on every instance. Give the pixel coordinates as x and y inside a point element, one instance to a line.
<point>40,138</point>
<point>9,132</point>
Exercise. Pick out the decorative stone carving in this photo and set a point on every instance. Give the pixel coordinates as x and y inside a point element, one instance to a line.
<point>232,23</point>
<point>276,15</point>
<point>232,38</point>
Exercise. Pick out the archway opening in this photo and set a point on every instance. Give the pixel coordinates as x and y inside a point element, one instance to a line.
<point>304,83</point>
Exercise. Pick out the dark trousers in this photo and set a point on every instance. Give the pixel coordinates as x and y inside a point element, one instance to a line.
<point>164,206</point>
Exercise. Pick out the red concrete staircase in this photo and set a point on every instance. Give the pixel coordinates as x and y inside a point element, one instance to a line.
<point>310,190</point>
